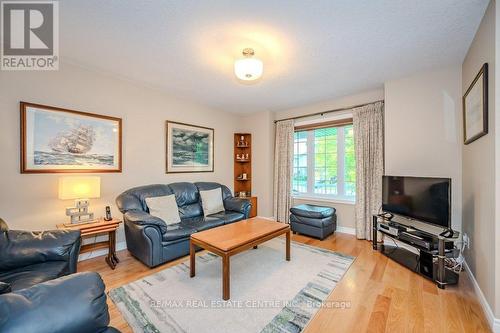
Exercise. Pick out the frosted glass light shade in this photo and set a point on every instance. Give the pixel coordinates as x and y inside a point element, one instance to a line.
<point>79,187</point>
<point>248,69</point>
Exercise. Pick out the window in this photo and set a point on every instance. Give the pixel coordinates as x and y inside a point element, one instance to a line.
<point>324,162</point>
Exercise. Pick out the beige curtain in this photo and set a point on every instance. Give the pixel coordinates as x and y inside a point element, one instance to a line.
<point>283,170</point>
<point>368,124</point>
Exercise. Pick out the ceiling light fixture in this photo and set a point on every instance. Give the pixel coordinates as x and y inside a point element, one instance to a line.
<point>248,68</point>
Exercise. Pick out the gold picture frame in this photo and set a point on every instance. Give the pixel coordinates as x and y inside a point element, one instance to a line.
<point>57,140</point>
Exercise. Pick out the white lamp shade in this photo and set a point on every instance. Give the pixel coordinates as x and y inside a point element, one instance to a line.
<point>248,69</point>
<point>79,188</point>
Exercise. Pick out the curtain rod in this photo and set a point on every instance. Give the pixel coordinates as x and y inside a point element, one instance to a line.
<point>329,111</point>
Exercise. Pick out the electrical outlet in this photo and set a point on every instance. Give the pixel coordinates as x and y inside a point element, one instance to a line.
<point>466,240</point>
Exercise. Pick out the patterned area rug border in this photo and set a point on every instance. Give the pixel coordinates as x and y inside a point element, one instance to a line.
<point>292,318</point>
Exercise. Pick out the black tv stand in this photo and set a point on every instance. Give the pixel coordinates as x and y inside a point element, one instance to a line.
<point>432,250</point>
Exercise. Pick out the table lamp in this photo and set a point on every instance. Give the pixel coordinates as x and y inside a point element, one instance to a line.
<point>81,189</point>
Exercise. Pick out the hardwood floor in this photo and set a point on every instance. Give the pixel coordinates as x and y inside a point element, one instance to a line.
<point>383,296</point>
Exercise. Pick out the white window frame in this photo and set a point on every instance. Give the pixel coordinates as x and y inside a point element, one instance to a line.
<point>310,195</point>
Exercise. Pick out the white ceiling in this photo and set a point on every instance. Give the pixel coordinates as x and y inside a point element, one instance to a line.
<point>312,50</point>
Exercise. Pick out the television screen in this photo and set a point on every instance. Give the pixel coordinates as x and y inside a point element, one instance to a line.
<point>421,198</point>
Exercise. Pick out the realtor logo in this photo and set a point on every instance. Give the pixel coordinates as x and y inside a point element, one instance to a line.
<point>29,35</point>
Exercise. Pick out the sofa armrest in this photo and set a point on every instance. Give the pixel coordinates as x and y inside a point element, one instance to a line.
<point>238,205</point>
<point>23,248</point>
<point>48,307</point>
<point>140,217</point>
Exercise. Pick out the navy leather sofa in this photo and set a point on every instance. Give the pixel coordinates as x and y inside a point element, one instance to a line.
<point>151,241</point>
<point>38,290</point>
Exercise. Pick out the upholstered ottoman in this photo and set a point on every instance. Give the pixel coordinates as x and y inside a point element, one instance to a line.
<point>312,220</point>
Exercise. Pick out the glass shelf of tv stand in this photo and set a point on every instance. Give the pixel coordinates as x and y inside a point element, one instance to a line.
<point>428,263</point>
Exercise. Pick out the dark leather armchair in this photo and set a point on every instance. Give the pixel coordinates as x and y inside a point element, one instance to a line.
<point>153,242</point>
<point>28,258</point>
<point>37,294</point>
<point>74,303</point>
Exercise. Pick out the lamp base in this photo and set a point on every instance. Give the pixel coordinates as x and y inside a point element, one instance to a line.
<point>80,212</point>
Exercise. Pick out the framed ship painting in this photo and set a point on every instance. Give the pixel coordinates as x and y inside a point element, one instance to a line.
<point>190,148</point>
<point>475,107</point>
<point>57,140</point>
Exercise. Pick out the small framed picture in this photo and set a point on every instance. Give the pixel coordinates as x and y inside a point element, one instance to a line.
<point>475,107</point>
<point>189,148</point>
<point>55,140</point>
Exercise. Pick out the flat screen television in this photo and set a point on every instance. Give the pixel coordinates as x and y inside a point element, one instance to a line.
<point>423,199</point>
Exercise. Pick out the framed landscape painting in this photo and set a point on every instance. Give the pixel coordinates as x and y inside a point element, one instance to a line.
<point>189,148</point>
<point>57,140</point>
<point>475,107</point>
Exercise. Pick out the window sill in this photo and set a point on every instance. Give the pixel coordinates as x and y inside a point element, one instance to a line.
<point>324,199</point>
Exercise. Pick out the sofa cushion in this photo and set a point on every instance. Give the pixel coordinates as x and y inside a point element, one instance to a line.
<point>201,223</point>
<point>188,199</point>
<point>27,276</point>
<point>313,222</point>
<point>164,207</point>
<point>211,201</point>
<point>312,211</point>
<point>177,231</point>
<point>228,216</point>
<point>205,186</point>
<point>135,198</point>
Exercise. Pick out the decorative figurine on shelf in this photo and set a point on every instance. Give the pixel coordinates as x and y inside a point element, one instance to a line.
<point>246,157</point>
<point>242,142</point>
<point>238,156</point>
<point>244,176</point>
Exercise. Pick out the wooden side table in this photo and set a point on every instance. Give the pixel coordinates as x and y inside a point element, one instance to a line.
<point>97,228</point>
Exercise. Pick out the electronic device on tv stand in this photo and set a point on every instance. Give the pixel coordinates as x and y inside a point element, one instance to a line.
<point>424,199</point>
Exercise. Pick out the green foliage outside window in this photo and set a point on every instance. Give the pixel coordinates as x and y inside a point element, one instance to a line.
<point>319,149</point>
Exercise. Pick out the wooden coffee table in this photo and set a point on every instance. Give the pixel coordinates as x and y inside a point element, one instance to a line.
<point>234,238</point>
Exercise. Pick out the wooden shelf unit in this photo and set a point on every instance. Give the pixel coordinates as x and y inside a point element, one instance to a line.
<point>244,165</point>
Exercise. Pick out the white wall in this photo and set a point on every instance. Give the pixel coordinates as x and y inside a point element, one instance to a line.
<point>497,168</point>
<point>261,126</point>
<point>29,201</point>
<point>423,129</point>
<point>479,166</point>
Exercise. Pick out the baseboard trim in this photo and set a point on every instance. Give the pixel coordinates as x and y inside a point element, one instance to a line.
<point>89,255</point>
<point>346,230</point>
<point>492,321</point>
<point>123,245</point>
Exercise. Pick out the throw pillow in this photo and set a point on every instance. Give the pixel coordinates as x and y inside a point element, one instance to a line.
<point>211,201</point>
<point>165,208</point>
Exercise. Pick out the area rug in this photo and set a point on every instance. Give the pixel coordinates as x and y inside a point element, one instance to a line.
<point>268,294</point>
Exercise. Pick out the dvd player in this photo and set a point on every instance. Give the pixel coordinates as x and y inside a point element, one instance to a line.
<point>388,229</point>
<point>423,242</point>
